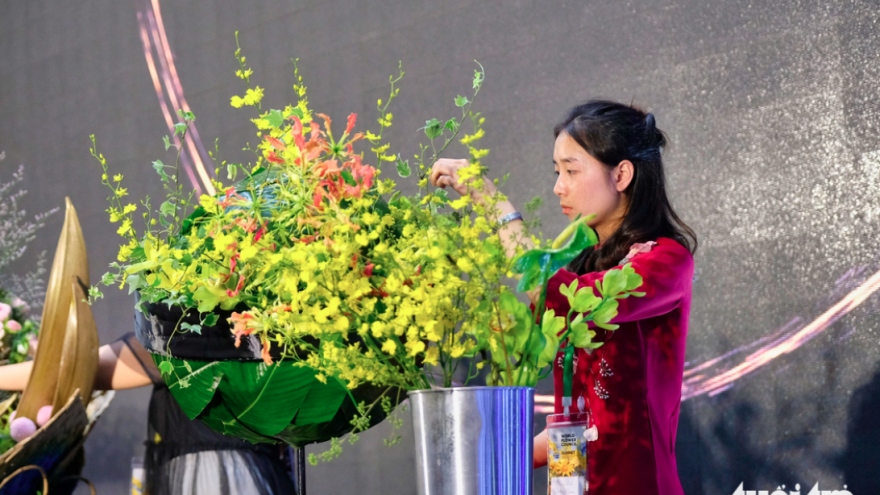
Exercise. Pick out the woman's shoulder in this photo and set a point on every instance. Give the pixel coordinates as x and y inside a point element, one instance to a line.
<point>666,249</point>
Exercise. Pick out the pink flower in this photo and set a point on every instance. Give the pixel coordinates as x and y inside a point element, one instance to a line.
<point>20,305</point>
<point>5,311</point>
<point>13,326</point>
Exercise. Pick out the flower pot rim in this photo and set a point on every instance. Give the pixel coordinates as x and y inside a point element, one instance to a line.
<point>465,389</point>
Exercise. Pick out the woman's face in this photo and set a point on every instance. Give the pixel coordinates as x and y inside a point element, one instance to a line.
<point>585,186</point>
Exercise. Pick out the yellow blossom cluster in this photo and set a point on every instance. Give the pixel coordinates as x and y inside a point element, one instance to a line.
<point>312,252</point>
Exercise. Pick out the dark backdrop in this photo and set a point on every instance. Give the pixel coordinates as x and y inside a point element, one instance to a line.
<point>772,109</point>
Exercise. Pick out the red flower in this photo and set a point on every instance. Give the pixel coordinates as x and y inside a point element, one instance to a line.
<point>297,132</point>
<point>368,270</point>
<point>276,143</point>
<point>352,118</point>
<point>238,287</point>
<point>259,234</point>
<point>272,157</point>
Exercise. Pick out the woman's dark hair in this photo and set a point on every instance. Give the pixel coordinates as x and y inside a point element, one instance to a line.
<point>612,132</point>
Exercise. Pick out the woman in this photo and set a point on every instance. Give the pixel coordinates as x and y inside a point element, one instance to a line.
<point>183,457</point>
<point>607,157</point>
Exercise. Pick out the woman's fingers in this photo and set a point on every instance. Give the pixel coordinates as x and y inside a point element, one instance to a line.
<point>443,173</point>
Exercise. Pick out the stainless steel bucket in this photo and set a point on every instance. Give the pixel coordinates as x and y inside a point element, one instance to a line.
<point>474,440</point>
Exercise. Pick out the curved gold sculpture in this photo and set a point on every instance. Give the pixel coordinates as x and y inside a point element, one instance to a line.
<point>67,352</point>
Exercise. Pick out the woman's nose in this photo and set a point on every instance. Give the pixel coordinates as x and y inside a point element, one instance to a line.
<point>559,187</point>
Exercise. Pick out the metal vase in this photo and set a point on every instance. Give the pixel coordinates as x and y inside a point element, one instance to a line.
<point>474,440</point>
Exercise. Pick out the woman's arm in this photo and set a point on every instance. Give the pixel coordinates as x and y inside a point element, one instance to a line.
<point>667,273</point>
<point>118,368</point>
<point>540,450</point>
<point>513,234</point>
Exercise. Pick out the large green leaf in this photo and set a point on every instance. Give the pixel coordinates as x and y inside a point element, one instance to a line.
<point>265,397</point>
<point>321,403</point>
<point>538,265</point>
<point>219,418</point>
<point>192,383</point>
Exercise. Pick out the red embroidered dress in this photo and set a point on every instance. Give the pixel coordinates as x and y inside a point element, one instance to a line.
<point>632,384</point>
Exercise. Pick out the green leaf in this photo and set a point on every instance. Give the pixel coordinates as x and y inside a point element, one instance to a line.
<point>231,171</point>
<point>515,310</point>
<point>275,118</point>
<point>188,223</point>
<point>167,208</point>
<point>538,265</point>
<point>180,128</point>
<point>603,314</point>
<point>584,300</point>
<point>441,193</point>
<point>569,290</point>
<point>95,293</point>
<point>613,283</point>
<point>321,403</point>
<point>218,417</point>
<point>167,141</point>
<point>207,300</point>
<point>551,325</point>
<point>160,168</point>
<point>347,177</point>
<point>165,367</point>
<point>479,75</point>
<point>134,282</point>
<point>461,101</point>
<point>266,397</point>
<point>581,335</point>
<point>108,279</point>
<point>192,383</point>
<point>186,116</point>
<point>451,124</point>
<point>210,319</point>
<point>433,128</point>
<point>403,168</point>
<point>190,327</point>
<point>633,279</point>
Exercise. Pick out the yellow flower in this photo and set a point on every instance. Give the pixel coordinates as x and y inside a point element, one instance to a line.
<point>432,357</point>
<point>389,347</point>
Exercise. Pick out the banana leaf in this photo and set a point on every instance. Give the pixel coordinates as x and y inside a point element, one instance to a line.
<point>261,403</point>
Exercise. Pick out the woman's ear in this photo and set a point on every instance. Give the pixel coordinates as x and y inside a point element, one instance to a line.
<point>623,175</point>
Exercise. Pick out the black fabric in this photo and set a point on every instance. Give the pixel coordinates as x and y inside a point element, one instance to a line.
<point>186,457</point>
<point>155,330</point>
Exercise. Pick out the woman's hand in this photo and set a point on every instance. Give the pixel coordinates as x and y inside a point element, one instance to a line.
<point>444,174</point>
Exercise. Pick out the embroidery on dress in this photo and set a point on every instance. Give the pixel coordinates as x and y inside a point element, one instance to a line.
<point>639,247</point>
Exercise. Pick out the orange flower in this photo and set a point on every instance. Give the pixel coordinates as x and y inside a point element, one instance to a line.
<point>267,358</point>
<point>327,121</point>
<point>297,132</point>
<point>352,118</point>
<point>272,157</point>
<point>241,325</point>
<point>276,143</point>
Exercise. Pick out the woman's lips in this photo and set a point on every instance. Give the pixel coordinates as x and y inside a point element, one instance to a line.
<point>566,210</point>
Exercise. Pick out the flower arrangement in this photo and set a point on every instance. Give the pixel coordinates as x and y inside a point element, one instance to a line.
<point>316,253</point>
<point>18,328</point>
